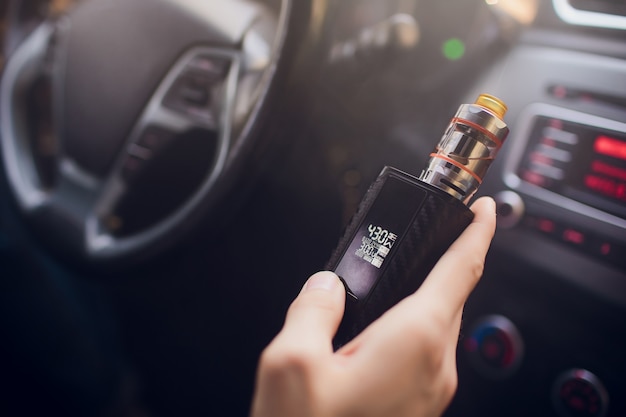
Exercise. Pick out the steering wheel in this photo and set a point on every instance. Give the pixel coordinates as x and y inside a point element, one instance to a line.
<point>123,122</point>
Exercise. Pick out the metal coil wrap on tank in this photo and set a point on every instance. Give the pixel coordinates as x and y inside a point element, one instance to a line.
<point>468,146</point>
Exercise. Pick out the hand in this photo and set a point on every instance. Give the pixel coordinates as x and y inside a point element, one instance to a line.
<point>403,364</point>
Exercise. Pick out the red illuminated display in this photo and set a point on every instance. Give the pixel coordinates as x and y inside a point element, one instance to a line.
<point>606,186</point>
<point>581,162</point>
<point>609,170</point>
<point>610,147</point>
<point>608,178</point>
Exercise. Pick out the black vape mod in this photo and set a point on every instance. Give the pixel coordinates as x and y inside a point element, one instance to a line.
<point>404,223</point>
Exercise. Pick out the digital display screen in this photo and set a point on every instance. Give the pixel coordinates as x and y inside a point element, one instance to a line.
<point>378,234</point>
<point>605,145</point>
<point>584,163</point>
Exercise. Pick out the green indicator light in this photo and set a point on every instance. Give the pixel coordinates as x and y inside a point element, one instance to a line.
<point>453,49</point>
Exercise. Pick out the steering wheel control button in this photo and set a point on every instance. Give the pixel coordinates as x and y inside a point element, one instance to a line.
<point>194,94</point>
<point>190,91</point>
<point>195,89</point>
<point>154,138</point>
<point>510,208</point>
<point>152,141</point>
<point>495,347</point>
<point>579,393</point>
<point>131,167</point>
<point>139,151</point>
<point>210,66</point>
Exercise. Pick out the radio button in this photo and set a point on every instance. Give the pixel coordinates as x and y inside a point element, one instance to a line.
<point>592,244</point>
<point>543,225</point>
<point>609,251</point>
<point>554,131</point>
<point>574,237</point>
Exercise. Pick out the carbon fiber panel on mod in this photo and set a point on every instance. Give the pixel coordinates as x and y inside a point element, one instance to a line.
<point>437,222</point>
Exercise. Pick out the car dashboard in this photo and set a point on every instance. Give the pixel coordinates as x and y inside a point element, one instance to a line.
<point>543,334</point>
<point>547,321</point>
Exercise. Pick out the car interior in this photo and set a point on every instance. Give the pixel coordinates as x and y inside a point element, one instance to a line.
<point>173,171</point>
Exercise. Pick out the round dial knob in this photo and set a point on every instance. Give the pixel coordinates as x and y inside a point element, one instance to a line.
<point>579,393</point>
<point>494,346</point>
<point>510,208</point>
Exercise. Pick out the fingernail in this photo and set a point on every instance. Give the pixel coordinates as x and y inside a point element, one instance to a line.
<point>322,280</point>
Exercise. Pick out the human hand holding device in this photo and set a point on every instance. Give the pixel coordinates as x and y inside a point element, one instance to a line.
<point>403,364</point>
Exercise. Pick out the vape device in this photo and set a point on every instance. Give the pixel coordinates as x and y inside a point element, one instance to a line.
<point>405,223</point>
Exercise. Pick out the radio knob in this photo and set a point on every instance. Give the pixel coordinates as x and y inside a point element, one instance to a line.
<point>494,347</point>
<point>510,208</point>
<point>579,393</point>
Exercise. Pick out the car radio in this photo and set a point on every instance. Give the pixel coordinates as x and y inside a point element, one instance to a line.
<point>576,162</point>
<point>571,157</point>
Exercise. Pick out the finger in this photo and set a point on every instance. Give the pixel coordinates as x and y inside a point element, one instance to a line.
<point>459,269</point>
<point>314,316</point>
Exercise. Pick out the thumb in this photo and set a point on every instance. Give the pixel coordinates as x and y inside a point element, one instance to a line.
<point>314,316</point>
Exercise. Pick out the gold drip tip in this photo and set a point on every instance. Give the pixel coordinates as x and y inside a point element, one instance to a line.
<point>494,104</point>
